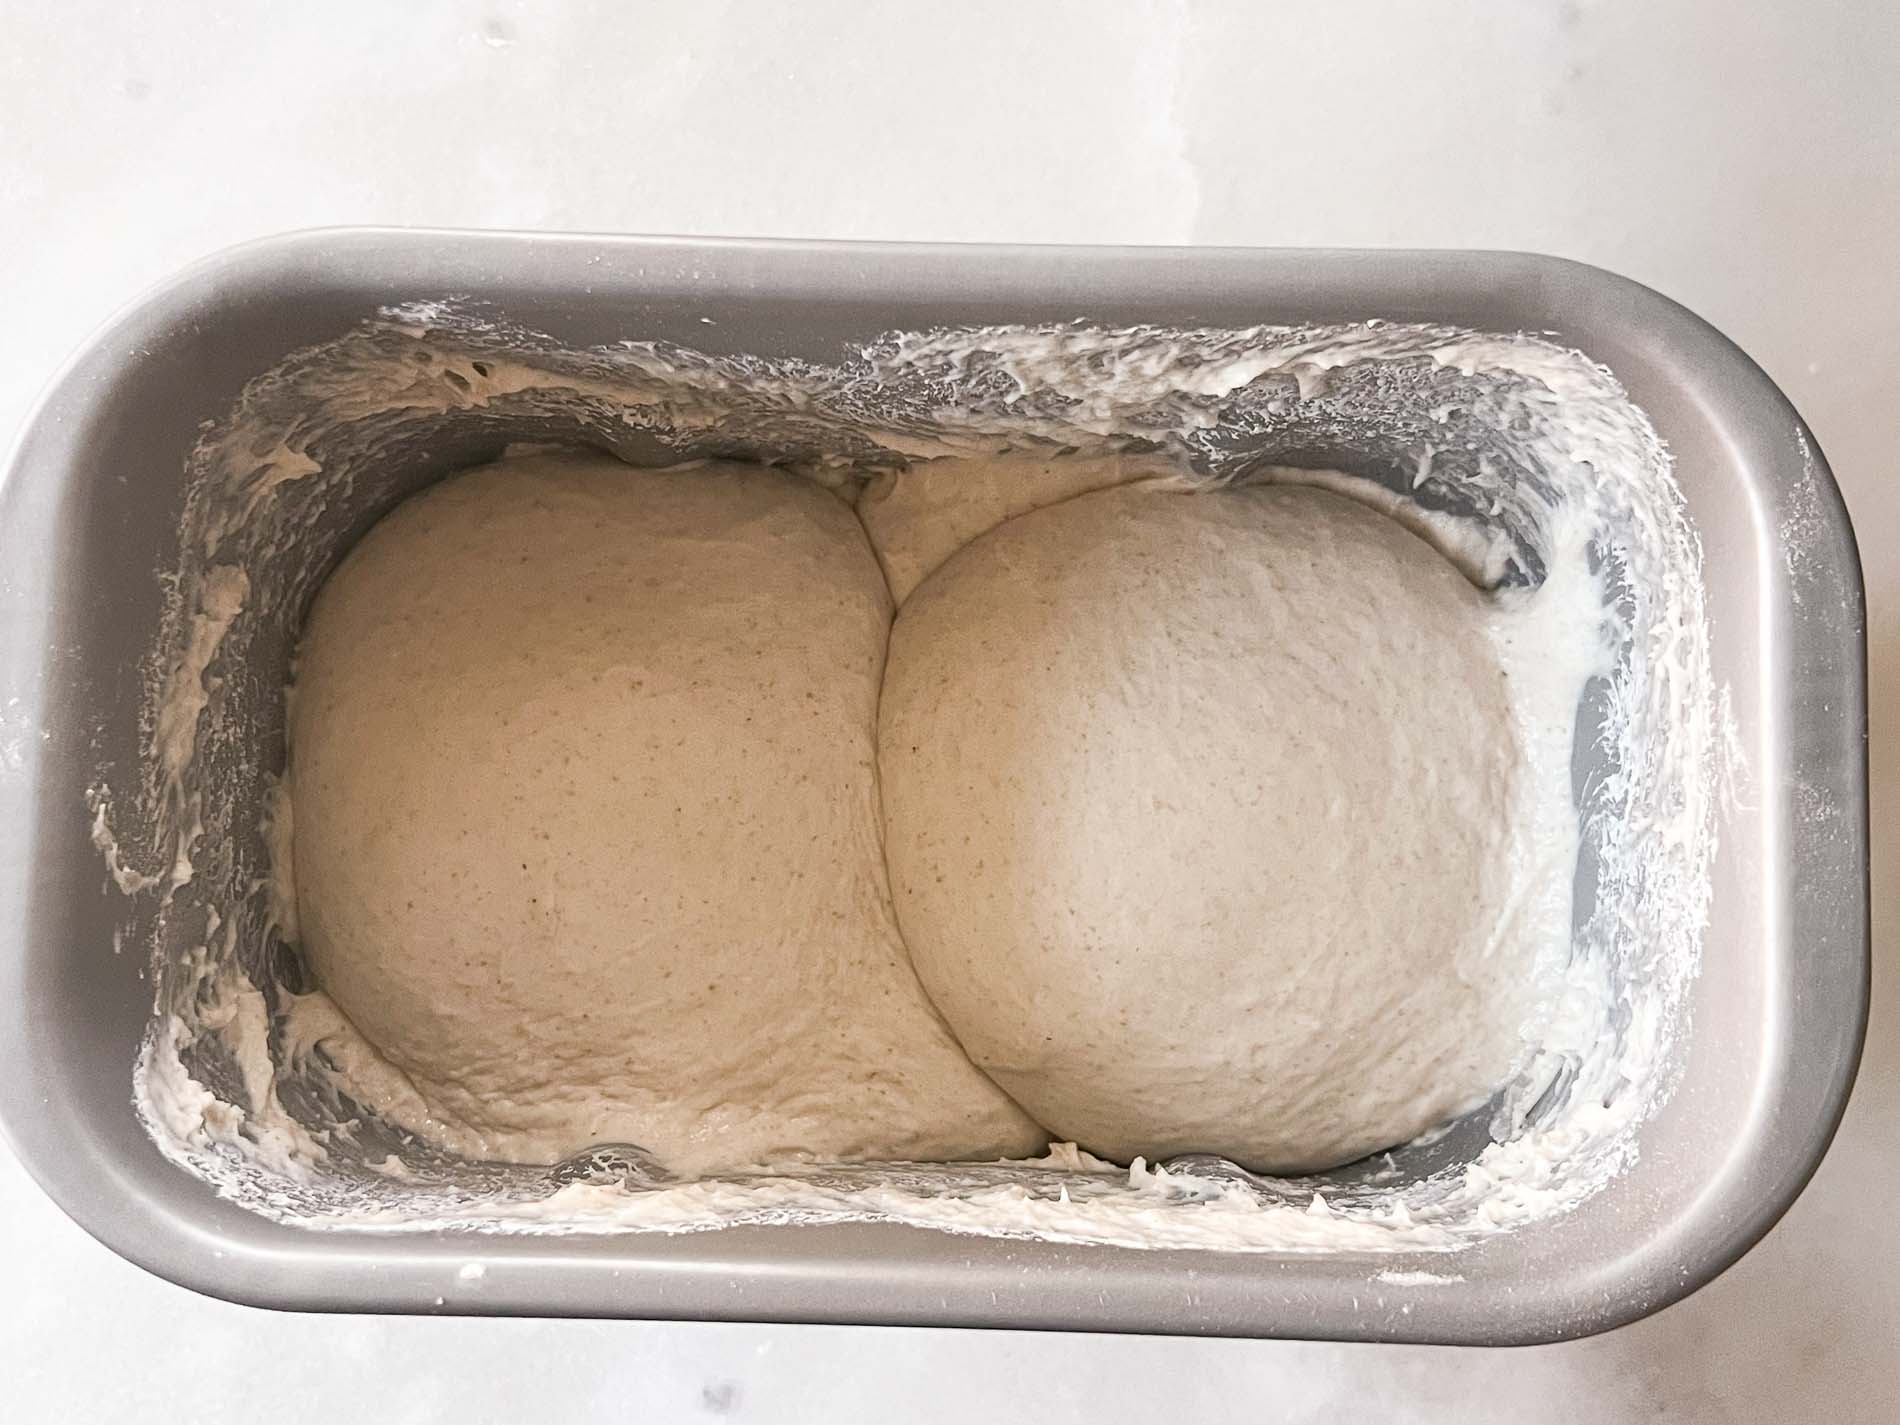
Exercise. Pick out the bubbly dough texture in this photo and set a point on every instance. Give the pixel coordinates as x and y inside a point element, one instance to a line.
<point>1196,811</point>
<point>587,836</point>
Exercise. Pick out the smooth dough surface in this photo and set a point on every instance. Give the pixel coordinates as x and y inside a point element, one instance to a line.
<point>1195,814</point>
<point>587,839</point>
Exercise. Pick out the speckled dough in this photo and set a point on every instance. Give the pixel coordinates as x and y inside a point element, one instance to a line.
<point>587,838</point>
<point>1196,811</point>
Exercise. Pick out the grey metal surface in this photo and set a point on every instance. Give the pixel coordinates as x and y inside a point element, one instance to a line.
<point>90,505</point>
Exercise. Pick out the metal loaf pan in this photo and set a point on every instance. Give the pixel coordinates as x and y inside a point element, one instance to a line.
<point>91,506</point>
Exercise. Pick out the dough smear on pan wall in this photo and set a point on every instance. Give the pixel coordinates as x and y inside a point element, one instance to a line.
<point>587,833</point>
<point>1524,463</point>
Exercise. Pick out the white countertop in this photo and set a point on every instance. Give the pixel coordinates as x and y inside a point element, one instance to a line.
<point>1743,159</point>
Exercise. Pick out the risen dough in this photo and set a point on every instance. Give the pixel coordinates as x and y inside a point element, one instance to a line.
<point>1194,813</point>
<point>587,838</point>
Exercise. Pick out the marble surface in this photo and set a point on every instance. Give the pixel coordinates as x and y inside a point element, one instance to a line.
<point>1745,160</point>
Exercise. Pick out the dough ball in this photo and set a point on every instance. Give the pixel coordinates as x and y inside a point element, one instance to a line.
<point>586,829</point>
<point>1194,814</point>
